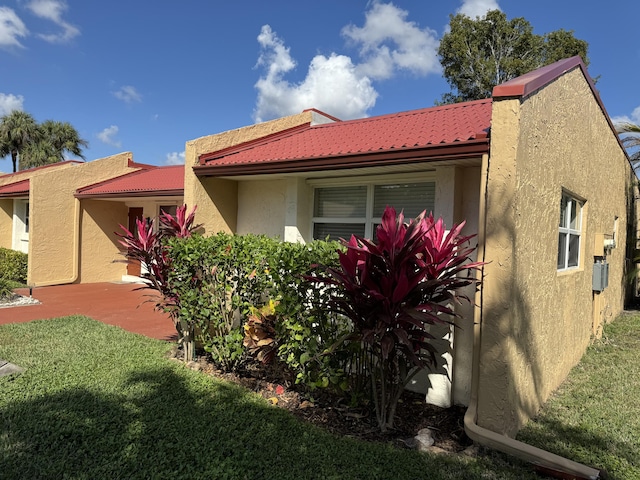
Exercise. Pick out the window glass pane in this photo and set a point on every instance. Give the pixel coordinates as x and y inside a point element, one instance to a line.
<point>26,218</point>
<point>562,251</point>
<point>340,202</point>
<point>563,211</point>
<point>170,209</point>
<point>336,231</point>
<point>574,250</point>
<point>575,219</point>
<point>412,198</point>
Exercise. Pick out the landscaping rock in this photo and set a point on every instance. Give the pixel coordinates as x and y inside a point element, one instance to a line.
<point>424,439</point>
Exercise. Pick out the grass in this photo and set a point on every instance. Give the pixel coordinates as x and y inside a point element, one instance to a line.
<point>98,402</point>
<point>594,418</point>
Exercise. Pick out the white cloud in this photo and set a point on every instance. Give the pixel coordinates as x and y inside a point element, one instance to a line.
<point>633,118</point>
<point>128,94</point>
<point>11,28</point>
<point>331,84</point>
<point>52,10</point>
<point>9,103</point>
<point>108,136</point>
<point>174,158</point>
<point>388,42</point>
<point>477,8</point>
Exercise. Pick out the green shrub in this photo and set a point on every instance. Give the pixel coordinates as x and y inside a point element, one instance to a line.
<point>6,288</point>
<point>221,280</point>
<point>13,265</point>
<point>217,280</point>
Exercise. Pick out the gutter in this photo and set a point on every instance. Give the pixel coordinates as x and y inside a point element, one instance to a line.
<point>400,156</point>
<point>75,253</point>
<point>543,461</point>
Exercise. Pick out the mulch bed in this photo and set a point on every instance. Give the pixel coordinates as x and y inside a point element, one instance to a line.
<point>334,414</point>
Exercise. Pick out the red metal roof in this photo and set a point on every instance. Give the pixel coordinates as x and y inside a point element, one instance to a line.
<point>41,167</point>
<point>155,181</point>
<point>16,189</point>
<point>449,125</point>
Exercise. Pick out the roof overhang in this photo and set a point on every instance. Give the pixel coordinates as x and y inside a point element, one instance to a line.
<point>15,190</point>
<point>430,153</point>
<point>129,194</point>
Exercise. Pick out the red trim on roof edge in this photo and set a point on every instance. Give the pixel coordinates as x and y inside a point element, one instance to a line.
<point>144,166</point>
<point>15,189</point>
<point>109,180</point>
<point>205,157</point>
<point>530,82</point>
<point>469,149</point>
<point>320,112</point>
<point>137,193</point>
<point>42,167</point>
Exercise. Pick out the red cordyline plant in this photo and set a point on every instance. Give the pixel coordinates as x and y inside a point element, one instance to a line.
<point>148,246</point>
<point>391,290</point>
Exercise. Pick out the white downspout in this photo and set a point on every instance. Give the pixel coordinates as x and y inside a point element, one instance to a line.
<point>552,464</point>
<point>75,252</point>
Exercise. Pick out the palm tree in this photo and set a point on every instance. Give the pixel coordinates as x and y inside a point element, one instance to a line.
<point>17,130</point>
<point>630,136</point>
<point>56,138</point>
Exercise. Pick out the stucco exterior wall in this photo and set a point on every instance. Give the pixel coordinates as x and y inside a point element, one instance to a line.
<point>261,207</point>
<point>536,320</point>
<point>56,218</point>
<point>6,222</point>
<point>101,256</point>
<point>217,199</point>
<point>467,196</point>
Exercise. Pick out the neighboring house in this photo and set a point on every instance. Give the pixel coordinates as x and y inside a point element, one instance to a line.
<point>64,215</point>
<point>537,171</point>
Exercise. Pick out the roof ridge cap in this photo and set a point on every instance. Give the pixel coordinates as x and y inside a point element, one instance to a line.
<point>416,111</point>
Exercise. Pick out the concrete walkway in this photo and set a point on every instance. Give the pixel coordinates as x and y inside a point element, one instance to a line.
<point>117,304</point>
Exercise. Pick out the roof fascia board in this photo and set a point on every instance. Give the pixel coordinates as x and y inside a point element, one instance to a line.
<point>460,150</point>
<point>141,193</point>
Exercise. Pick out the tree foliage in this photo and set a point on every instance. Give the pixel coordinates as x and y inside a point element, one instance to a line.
<point>630,137</point>
<point>32,145</point>
<point>476,55</point>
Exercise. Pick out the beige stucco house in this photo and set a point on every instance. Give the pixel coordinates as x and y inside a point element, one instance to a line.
<point>537,171</point>
<point>64,215</point>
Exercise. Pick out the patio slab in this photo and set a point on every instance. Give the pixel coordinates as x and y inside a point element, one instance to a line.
<point>120,304</point>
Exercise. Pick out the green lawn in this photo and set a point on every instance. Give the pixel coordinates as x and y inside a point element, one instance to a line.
<point>594,418</point>
<point>98,402</point>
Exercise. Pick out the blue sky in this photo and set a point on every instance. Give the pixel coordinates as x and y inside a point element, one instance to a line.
<point>146,77</point>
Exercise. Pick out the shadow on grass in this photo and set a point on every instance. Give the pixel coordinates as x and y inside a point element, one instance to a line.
<point>620,459</point>
<point>161,426</point>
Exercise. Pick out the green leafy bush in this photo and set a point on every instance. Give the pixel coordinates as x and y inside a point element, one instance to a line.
<point>13,265</point>
<point>217,280</point>
<point>6,288</point>
<point>221,281</point>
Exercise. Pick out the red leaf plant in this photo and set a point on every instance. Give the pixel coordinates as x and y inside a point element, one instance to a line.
<point>148,246</point>
<point>391,290</point>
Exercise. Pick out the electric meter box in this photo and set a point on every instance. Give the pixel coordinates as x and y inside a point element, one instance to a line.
<point>600,276</point>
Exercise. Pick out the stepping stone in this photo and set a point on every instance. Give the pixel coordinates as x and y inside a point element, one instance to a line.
<point>7,368</point>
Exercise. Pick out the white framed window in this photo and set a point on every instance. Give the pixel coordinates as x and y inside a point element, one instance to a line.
<point>569,232</point>
<point>170,209</point>
<point>342,210</point>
